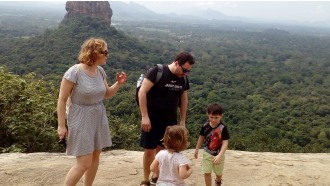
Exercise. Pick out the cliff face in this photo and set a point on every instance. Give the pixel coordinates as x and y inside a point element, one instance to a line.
<point>96,9</point>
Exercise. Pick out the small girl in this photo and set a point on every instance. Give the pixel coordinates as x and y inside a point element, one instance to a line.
<point>171,165</point>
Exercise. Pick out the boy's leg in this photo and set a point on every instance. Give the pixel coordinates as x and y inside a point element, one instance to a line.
<point>208,179</point>
<point>218,180</point>
<point>207,166</point>
<point>218,170</point>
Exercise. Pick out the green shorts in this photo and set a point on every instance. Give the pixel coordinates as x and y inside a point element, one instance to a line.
<point>208,166</point>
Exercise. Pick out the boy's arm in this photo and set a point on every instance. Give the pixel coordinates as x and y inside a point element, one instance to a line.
<point>223,149</point>
<point>198,145</point>
<point>185,171</point>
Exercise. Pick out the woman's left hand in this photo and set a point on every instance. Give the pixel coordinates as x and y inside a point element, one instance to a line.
<point>121,77</point>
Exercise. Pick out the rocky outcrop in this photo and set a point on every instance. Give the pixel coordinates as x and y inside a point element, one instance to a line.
<point>95,9</point>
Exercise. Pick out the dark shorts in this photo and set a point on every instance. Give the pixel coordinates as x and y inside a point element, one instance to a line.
<point>153,138</point>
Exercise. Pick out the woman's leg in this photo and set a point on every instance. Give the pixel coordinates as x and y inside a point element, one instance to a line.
<point>83,163</point>
<point>91,172</point>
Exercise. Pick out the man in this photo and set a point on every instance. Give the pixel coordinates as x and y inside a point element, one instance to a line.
<point>158,106</point>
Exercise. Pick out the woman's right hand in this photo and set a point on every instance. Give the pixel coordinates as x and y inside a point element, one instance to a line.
<point>62,132</point>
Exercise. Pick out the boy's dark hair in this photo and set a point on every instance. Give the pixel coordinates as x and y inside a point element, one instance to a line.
<point>176,138</point>
<point>214,109</point>
<point>184,57</point>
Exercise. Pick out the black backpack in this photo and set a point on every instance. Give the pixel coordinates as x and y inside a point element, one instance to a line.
<point>159,75</point>
<point>141,78</point>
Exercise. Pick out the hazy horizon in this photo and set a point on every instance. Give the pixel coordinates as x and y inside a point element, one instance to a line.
<point>302,12</point>
<point>298,11</point>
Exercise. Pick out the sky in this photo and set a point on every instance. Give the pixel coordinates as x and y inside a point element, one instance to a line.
<point>263,10</point>
<point>301,11</point>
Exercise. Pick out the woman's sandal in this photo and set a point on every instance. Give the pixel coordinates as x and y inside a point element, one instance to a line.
<point>145,183</point>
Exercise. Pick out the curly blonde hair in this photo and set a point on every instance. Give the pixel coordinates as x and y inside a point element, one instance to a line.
<point>90,50</point>
<point>176,138</point>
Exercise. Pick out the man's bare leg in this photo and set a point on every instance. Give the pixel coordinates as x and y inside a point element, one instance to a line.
<point>148,157</point>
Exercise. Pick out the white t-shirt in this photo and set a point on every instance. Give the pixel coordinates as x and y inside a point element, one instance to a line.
<point>169,164</point>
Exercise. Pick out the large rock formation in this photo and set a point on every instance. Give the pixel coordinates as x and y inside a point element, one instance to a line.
<point>96,9</point>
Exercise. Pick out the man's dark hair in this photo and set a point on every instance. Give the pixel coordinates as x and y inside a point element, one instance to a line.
<point>214,109</point>
<point>184,57</point>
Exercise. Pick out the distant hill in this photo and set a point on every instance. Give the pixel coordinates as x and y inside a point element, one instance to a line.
<point>135,11</point>
<point>55,50</point>
<point>132,11</point>
<point>48,14</point>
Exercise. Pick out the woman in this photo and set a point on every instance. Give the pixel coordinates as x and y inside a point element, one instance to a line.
<point>88,129</point>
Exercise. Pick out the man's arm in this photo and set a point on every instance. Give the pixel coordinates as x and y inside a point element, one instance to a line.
<point>145,88</point>
<point>183,108</point>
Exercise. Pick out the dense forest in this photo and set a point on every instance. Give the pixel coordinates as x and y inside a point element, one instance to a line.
<point>274,84</point>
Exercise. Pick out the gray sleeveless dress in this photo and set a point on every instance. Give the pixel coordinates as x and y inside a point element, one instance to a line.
<point>88,127</point>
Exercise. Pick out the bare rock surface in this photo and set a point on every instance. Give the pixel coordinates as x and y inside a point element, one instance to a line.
<point>96,9</point>
<point>124,168</point>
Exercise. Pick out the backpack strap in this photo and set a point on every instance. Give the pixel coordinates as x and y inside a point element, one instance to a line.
<point>159,72</point>
<point>185,80</point>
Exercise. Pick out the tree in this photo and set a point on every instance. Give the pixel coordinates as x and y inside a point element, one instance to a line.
<point>27,117</point>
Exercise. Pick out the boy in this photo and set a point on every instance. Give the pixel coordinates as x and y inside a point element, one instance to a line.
<point>215,136</point>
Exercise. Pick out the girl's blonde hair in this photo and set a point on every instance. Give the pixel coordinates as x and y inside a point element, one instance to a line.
<point>91,49</point>
<point>176,138</point>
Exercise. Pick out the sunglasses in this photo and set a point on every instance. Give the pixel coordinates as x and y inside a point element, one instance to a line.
<point>105,52</point>
<point>184,70</point>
